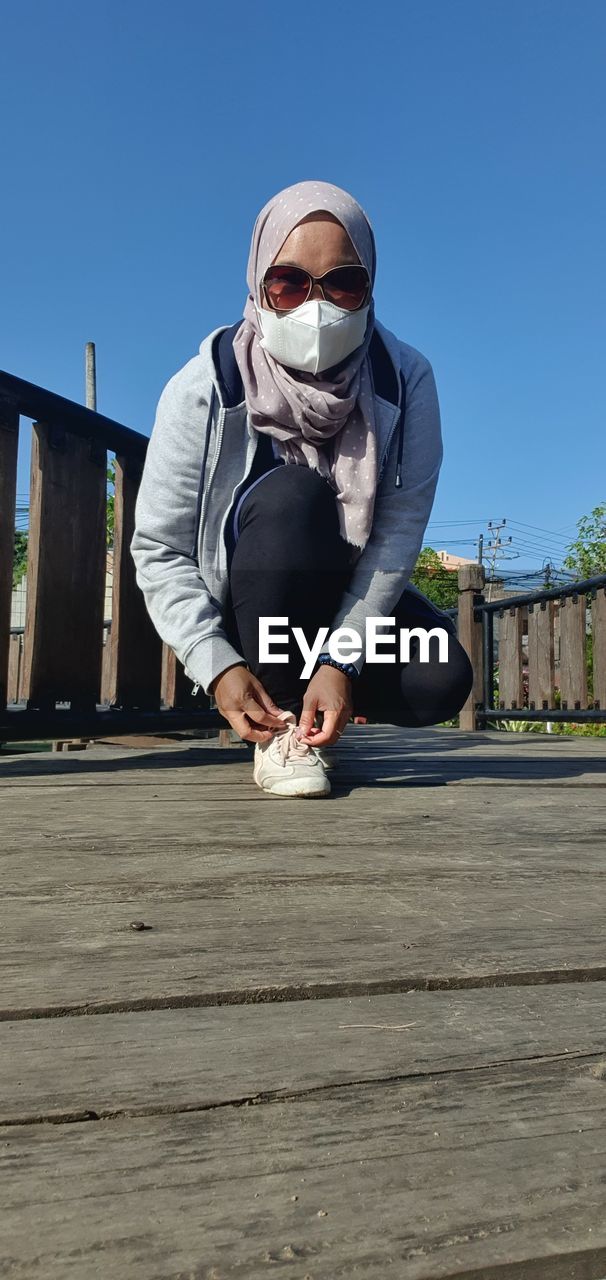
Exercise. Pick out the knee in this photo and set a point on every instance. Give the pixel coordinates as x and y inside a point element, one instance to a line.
<point>294,490</point>
<point>295,507</point>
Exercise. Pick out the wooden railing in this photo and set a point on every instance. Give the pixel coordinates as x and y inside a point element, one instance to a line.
<point>54,681</point>
<point>67,673</point>
<point>538,665</point>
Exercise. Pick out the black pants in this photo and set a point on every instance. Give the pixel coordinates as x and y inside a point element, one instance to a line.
<point>290,561</point>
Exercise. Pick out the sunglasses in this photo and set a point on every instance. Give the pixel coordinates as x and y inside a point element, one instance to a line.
<point>287,287</point>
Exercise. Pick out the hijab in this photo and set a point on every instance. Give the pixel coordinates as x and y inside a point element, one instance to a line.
<point>327,420</point>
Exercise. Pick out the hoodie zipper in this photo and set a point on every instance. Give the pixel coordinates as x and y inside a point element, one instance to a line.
<point>204,507</point>
<point>397,425</point>
<point>401,430</point>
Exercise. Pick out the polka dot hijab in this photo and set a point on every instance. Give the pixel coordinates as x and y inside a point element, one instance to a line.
<point>325,421</point>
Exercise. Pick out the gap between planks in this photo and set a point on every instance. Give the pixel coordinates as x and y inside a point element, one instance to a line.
<point>266,1097</point>
<point>311,991</point>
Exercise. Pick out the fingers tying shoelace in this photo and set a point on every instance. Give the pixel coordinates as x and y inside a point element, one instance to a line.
<point>288,744</point>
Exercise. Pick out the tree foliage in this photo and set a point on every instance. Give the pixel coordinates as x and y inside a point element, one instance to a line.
<point>436,582</point>
<point>587,554</point>
<point>19,556</point>
<point>111,481</point>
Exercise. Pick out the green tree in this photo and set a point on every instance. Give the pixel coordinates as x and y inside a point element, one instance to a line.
<point>111,481</point>
<point>587,554</point>
<point>19,556</point>
<point>436,582</point>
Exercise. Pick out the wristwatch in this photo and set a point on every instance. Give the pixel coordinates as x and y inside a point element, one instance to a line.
<point>347,668</point>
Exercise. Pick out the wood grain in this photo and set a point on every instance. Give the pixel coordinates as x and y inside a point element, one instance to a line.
<point>410,1080</point>
<point>541,661</point>
<point>573,660</point>
<point>135,657</point>
<point>511,692</point>
<point>9,442</point>
<point>471,579</point>
<point>65,571</point>
<point>598,626</point>
<point>443,1176</point>
<point>187,1059</point>
<point>15,653</point>
<point>397,880</point>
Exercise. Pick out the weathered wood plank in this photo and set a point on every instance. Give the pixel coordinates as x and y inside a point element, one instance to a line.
<point>471,579</point>
<point>65,570</point>
<point>372,756</point>
<point>14,667</point>
<point>573,661</point>
<point>511,690</point>
<point>245,934</point>
<point>9,442</point>
<point>541,659</point>
<point>515,893</point>
<point>106,665</point>
<point>127,1062</point>
<point>84,956</point>
<point>452,1175</point>
<point>598,627</point>
<point>135,658</point>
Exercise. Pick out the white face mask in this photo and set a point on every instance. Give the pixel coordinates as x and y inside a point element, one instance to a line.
<point>314,336</point>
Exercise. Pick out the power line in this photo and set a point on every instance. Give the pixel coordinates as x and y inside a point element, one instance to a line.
<point>538,540</point>
<point>537,528</point>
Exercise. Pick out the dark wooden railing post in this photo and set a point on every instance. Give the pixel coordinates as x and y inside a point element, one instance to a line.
<point>573,662</point>
<point>135,659</point>
<point>598,627</point>
<point>61,657</point>
<point>471,579</point>
<point>511,687</point>
<point>15,655</point>
<point>541,660</point>
<point>65,570</point>
<point>9,439</point>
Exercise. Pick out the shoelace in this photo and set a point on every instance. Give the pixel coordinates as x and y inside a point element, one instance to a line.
<point>289,746</point>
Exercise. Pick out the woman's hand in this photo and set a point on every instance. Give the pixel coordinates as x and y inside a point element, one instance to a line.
<point>329,691</point>
<point>242,700</point>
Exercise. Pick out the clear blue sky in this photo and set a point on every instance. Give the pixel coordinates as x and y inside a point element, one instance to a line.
<point>141,138</point>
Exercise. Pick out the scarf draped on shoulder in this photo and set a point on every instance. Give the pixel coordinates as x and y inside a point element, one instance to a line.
<point>325,421</point>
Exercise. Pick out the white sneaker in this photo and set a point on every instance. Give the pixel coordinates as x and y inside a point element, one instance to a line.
<point>286,767</point>
<point>326,757</point>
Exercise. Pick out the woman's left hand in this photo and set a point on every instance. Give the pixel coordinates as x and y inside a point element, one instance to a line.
<point>328,692</point>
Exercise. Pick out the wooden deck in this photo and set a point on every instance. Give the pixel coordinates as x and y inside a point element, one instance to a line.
<point>360,1037</point>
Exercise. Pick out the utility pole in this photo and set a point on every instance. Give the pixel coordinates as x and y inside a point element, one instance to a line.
<point>496,547</point>
<point>480,548</point>
<point>91,376</point>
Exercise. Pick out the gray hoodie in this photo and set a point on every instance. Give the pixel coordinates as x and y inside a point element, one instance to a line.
<point>200,451</point>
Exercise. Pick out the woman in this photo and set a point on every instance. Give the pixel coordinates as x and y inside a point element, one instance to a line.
<point>290,476</point>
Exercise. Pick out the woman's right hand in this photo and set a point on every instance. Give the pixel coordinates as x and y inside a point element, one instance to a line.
<point>242,700</point>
